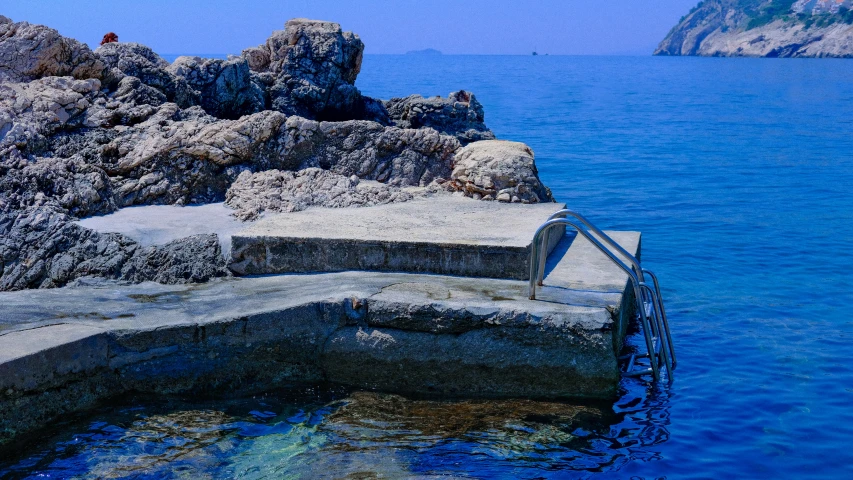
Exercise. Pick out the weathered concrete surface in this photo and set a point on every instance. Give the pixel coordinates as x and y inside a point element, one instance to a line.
<point>448,235</point>
<point>65,349</point>
<point>160,224</point>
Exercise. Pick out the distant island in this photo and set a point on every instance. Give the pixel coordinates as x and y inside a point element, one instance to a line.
<point>426,51</point>
<point>764,28</point>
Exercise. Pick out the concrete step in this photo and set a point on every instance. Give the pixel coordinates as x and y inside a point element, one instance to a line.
<point>63,350</point>
<point>445,235</point>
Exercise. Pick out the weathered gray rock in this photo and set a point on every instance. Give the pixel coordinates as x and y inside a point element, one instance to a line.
<point>498,170</point>
<point>281,191</point>
<point>135,60</point>
<point>371,151</point>
<point>193,259</point>
<point>41,248</point>
<point>133,102</point>
<point>28,52</point>
<point>32,112</point>
<point>460,115</point>
<point>225,88</point>
<point>315,66</point>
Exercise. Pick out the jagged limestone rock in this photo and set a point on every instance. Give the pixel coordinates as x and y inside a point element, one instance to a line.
<point>151,133</point>
<point>136,60</point>
<point>29,52</point>
<point>193,259</point>
<point>225,88</point>
<point>314,65</point>
<point>460,115</point>
<point>31,112</point>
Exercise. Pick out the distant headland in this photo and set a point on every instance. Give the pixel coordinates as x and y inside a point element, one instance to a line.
<point>426,51</point>
<point>761,28</point>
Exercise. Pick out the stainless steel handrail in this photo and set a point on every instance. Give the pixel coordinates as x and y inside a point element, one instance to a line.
<point>637,285</point>
<point>659,328</point>
<point>663,315</point>
<point>561,214</point>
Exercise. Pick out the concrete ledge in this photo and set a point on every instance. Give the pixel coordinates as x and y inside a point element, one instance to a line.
<point>65,349</point>
<point>444,235</point>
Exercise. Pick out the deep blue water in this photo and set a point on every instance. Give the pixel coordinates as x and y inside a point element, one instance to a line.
<point>739,173</point>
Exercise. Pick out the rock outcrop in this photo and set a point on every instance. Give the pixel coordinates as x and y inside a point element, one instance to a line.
<point>84,133</point>
<point>225,88</point>
<point>498,170</point>
<point>311,67</point>
<point>731,28</point>
<point>28,52</point>
<point>460,115</point>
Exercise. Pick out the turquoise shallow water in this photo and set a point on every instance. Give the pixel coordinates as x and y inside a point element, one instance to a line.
<point>739,173</point>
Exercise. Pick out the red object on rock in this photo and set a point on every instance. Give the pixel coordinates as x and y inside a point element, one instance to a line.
<point>109,38</point>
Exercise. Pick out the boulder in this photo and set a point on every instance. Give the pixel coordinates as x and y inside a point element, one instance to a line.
<point>283,191</point>
<point>314,65</point>
<point>498,170</point>
<point>225,88</point>
<point>460,115</point>
<point>29,52</point>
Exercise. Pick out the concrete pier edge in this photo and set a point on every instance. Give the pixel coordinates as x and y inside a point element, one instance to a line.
<point>416,334</point>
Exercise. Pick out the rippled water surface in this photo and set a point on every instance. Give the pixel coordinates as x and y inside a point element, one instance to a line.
<point>739,173</point>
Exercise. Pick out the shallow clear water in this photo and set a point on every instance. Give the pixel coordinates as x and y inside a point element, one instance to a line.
<point>739,173</point>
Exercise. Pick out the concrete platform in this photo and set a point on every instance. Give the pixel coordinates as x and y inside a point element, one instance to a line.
<point>64,350</point>
<point>446,235</point>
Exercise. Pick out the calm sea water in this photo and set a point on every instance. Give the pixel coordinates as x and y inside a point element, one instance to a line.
<point>739,173</point>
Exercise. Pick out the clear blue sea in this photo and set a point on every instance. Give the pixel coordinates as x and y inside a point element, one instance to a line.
<point>739,173</point>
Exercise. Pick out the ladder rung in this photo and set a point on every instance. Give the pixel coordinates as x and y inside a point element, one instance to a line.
<point>648,307</point>
<point>637,373</point>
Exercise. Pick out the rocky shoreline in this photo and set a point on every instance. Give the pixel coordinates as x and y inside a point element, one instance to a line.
<point>278,128</point>
<point>727,28</point>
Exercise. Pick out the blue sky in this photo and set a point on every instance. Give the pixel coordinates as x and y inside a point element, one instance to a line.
<point>568,27</point>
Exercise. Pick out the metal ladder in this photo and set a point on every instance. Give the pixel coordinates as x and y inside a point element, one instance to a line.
<point>650,310</point>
